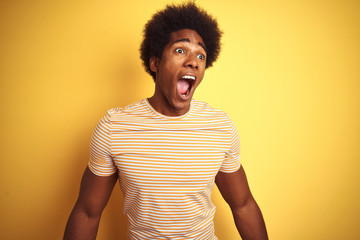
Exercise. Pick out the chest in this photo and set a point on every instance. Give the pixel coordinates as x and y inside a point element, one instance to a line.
<point>167,157</point>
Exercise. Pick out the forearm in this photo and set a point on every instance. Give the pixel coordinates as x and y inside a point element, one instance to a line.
<point>81,226</point>
<point>249,221</point>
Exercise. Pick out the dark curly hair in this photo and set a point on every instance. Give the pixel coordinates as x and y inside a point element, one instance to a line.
<point>174,18</point>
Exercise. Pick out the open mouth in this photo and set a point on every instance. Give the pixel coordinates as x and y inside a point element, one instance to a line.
<point>184,85</point>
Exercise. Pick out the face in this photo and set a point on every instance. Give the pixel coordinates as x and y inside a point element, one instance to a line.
<point>178,72</point>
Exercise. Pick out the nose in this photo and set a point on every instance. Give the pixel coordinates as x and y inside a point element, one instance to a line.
<point>191,61</point>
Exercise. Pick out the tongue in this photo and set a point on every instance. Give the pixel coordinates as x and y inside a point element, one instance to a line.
<point>183,86</point>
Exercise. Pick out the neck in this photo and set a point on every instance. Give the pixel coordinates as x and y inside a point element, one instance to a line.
<point>167,109</point>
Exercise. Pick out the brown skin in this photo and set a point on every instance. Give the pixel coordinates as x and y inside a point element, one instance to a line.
<point>94,194</point>
<point>247,215</point>
<point>184,55</point>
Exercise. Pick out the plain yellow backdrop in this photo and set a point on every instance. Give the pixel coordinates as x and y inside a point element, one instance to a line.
<point>288,75</point>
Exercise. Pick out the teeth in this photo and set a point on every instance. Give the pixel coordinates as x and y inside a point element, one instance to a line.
<point>188,77</point>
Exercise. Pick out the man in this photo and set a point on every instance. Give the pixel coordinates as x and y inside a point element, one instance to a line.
<point>168,150</point>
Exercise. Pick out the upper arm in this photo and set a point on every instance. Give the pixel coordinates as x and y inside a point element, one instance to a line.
<point>100,175</point>
<point>95,192</point>
<point>234,188</point>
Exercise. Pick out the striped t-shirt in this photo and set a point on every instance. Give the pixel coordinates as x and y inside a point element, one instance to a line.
<point>166,166</point>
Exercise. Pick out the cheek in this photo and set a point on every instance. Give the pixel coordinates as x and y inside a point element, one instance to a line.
<point>202,72</point>
<point>199,83</point>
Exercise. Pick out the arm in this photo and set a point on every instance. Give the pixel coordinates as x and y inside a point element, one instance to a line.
<point>94,194</point>
<point>248,218</point>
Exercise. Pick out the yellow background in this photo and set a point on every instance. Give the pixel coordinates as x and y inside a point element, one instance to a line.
<point>288,75</point>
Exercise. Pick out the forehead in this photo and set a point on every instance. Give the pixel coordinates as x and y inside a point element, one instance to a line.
<point>186,35</point>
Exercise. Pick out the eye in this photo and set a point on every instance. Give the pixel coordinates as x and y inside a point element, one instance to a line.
<point>201,56</point>
<point>179,50</point>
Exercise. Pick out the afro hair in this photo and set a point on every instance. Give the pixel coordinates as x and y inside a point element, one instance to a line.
<point>174,18</point>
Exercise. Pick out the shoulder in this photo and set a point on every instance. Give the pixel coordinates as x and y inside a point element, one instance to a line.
<point>117,113</point>
<point>203,109</point>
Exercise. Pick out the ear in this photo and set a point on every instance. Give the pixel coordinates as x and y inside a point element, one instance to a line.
<point>154,64</point>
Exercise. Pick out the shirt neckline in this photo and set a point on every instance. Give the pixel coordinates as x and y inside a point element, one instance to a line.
<point>153,110</point>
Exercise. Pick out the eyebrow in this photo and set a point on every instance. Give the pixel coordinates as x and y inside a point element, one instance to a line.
<point>188,40</point>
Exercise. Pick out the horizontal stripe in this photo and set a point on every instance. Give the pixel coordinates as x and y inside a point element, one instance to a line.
<point>166,166</point>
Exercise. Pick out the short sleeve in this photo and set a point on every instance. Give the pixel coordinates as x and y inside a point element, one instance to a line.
<point>101,162</point>
<point>231,162</point>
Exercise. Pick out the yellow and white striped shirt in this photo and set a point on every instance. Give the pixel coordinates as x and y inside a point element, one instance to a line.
<point>166,166</point>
